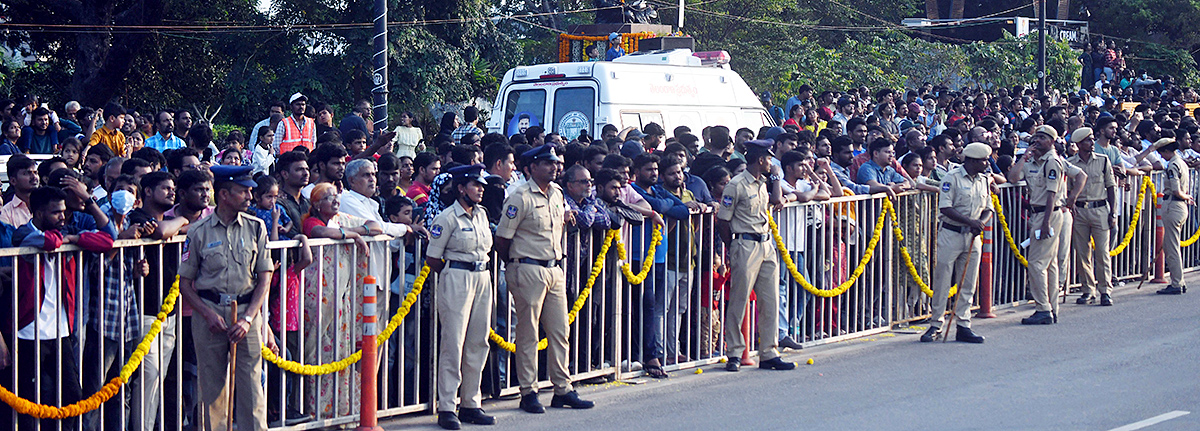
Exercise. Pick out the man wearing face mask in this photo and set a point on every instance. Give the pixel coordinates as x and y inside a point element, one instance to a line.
<point>461,240</point>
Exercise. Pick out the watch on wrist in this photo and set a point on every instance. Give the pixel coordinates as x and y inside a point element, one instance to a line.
<point>247,319</point>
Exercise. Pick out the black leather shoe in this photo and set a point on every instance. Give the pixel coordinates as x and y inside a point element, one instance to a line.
<point>733,364</point>
<point>930,334</point>
<point>1105,299</point>
<point>966,335</point>
<point>449,420</point>
<point>1170,290</point>
<point>789,343</point>
<point>475,416</point>
<point>1039,318</point>
<point>776,364</point>
<point>571,399</point>
<point>530,403</point>
<point>1087,298</point>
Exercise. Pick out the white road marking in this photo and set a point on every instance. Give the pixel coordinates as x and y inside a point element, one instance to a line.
<point>1151,421</point>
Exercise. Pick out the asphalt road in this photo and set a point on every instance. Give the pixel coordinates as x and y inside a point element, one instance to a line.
<point>1135,365</point>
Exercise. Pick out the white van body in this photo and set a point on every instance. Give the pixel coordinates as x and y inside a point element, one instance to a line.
<point>670,88</point>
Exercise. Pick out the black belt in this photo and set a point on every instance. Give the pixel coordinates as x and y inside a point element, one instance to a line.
<point>1041,208</point>
<point>955,228</point>
<point>469,266</point>
<point>1091,204</point>
<point>1173,198</point>
<point>224,299</point>
<point>756,237</point>
<point>545,263</point>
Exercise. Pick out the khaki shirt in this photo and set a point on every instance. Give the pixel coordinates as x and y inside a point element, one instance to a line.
<point>456,235</point>
<point>1047,174</point>
<point>226,258</point>
<point>1178,178</point>
<point>745,204</point>
<point>1099,176</point>
<point>538,217</point>
<point>966,194</point>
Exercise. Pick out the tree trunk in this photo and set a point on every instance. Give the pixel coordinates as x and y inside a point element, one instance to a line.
<point>102,60</point>
<point>931,9</point>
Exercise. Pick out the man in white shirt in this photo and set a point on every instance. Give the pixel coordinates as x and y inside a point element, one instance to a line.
<point>357,199</point>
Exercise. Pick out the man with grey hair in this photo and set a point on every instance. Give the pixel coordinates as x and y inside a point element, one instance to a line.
<point>357,199</point>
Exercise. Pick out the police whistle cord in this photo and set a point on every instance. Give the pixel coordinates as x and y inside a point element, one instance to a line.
<point>42,411</point>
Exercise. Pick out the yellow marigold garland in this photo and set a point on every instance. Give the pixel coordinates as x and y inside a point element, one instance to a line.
<point>1012,244</point>
<point>862,264</point>
<point>42,411</point>
<point>912,269</point>
<point>597,267</point>
<point>1146,183</point>
<point>333,367</point>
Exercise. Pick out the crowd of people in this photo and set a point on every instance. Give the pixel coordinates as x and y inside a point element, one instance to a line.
<point>112,174</point>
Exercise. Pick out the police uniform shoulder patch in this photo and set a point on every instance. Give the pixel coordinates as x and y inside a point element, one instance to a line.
<point>727,200</point>
<point>945,187</point>
<point>186,243</point>
<point>1052,174</point>
<point>1170,173</point>
<point>511,212</point>
<point>436,231</point>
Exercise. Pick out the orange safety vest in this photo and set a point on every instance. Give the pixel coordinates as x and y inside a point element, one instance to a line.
<point>294,137</point>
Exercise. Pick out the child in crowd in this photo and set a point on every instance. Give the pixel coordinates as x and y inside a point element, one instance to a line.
<point>266,205</point>
<point>72,152</point>
<point>915,167</point>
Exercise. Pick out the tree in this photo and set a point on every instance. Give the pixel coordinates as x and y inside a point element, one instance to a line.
<point>98,60</point>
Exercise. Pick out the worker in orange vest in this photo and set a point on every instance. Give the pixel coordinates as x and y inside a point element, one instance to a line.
<point>296,130</point>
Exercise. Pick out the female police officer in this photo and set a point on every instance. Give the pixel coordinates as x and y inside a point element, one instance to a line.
<point>460,240</point>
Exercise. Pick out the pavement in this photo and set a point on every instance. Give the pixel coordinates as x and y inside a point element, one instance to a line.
<point>1121,368</point>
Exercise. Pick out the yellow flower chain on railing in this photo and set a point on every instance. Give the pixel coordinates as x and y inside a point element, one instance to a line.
<point>1190,241</point>
<point>1146,183</point>
<point>862,264</point>
<point>912,269</point>
<point>42,411</point>
<point>1012,244</point>
<point>333,367</point>
<point>597,267</point>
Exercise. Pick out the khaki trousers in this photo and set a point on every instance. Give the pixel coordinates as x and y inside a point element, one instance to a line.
<point>1174,213</point>
<point>752,265</point>
<point>212,357</point>
<point>464,303</point>
<point>953,251</point>
<point>1043,261</point>
<point>1064,247</point>
<point>540,296</point>
<point>1095,265</point>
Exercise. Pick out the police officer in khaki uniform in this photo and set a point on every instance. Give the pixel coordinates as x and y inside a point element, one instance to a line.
<point>460,240</point>
<point>1094,218</point>
<point>1175,203</point>
<point>530,238</point>
<point>742,224</point>
<point>226,260</point>
<point>1043,172</point>
<point>964,205</point>
<point>1076,179</point>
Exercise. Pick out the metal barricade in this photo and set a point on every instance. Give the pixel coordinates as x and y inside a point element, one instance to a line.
<point>676,315</point>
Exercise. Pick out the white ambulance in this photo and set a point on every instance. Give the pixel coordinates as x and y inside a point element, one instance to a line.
<point>672,88</point>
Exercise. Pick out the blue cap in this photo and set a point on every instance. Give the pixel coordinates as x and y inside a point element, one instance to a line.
<point>761,144</point>
<point>631,149</point>
<point>471,172</point>
<point>1104,114</point>
<point>237,174</point>
<point>613,35</point>
<point>544,152</point>
<point>774,132</point>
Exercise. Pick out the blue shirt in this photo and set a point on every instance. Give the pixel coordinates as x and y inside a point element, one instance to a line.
<point>871,171</point>
<point>843,175</point>
<point>614,52</point>
<point>266,217</point>
<point>663,202</point>
<point>161,144</point>
<point>34,144</point>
